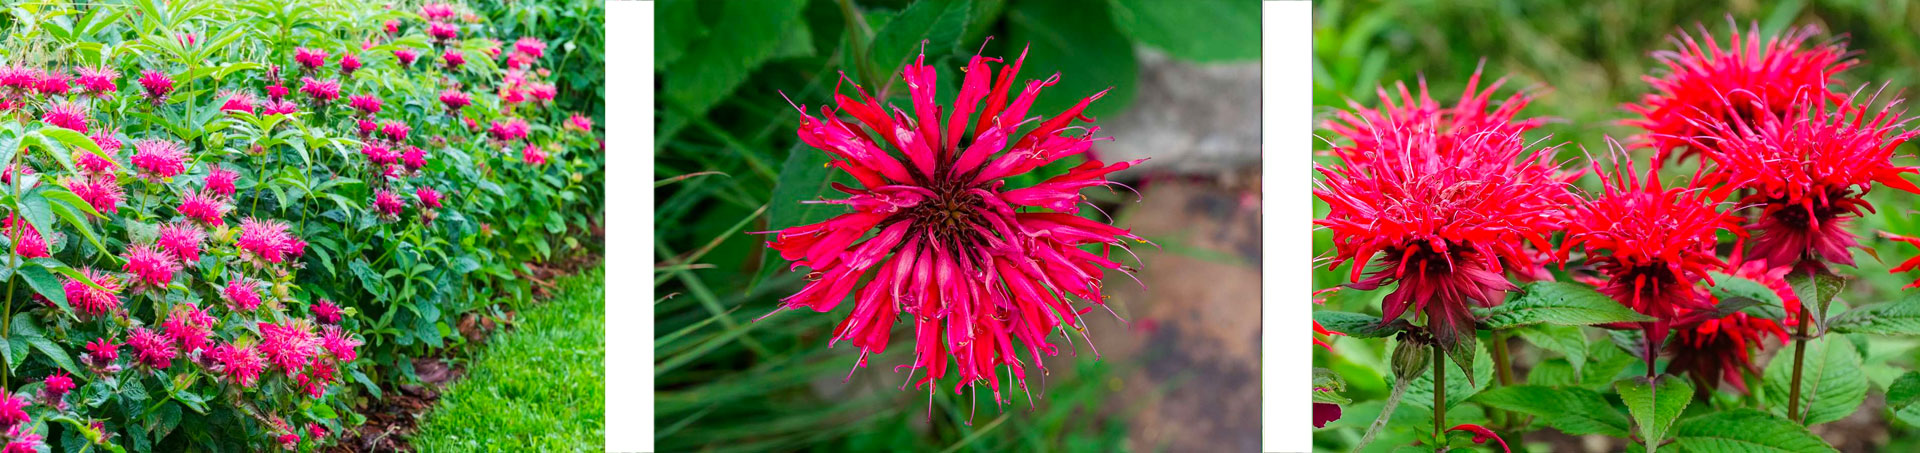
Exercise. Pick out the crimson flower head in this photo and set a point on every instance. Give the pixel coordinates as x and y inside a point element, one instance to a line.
<point>220,181</point>
<point>102,191</point>
<point>388,204</point>
<point>1446,198</point>
<point>455,100</point>
<point>414,158</point>
<point>428,197</point>
<point>326,312</point>
<point>181,240</point>
<point>533,155</point>
<point>1809,171</point>
<point>321,91</point>
<point>509,130</point>
<point>288,345</point>
<point>405,56</point>
<point>436,11</point>
<point>365,103</point>
<point>27,241</point>
<point>151,348</point>
<point>1741,82</point>
<point>453,59</point>
<point>378,155</point>
<point>268,240</point>
<point>97,80</point>
<point>66,114</point>
<point>150,265</point>
<point>241,364</point>
<point>348,64</point>
<point>157,85</point>
<point>239,101</point>
<point>53,82</point>
<point>395,130</point>
<point>580,123</point>
<point>103,350</point>
<point>12,411</point>
<point>975,265</point>
<point>242,294</point>
<point>89,300</point>
<point>530,46</point>
<point>442,31</point>
<point>1652,242</point>
<point>189,326</point>
<point>310,59</point>
<point>1713,350</point>
<point>203,207</point>
<point>159,158</point>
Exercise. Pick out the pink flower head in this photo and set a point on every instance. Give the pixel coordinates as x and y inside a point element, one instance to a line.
<point>53,83</point>
<point>204,208</point>
<point>428,197</point>
<point>281,107</point>
<point>442,31</point>
<point>388,204</point>
<point>91,301</point>
<point>392,26</point>
<point>1741,81</point>
<point>97,80</point>
<point>182,241</point>
<point>24,440</point>
<point>580,123</point>
<point>395,130</point>
<point>414,158</point>
<point>453,59</point>
<point>348,64</point>
<point>367,126</point>
<point>1808,170</point>
<point>189,326</point>
<point>1443,200</point>
<point>268,240</point>
<point>27,241</point>
<point>55,387</point>
<point>1654,243</point>
<point>12,411</point>
<point>530,46</point>
<point>326,311</point>
<point>107,143</point>
<point>101,191</point>
<point>321,91</point>
<point>241,364</point>
<point>509,130</point>
<point>289,345</point>
<point>149,265</point>
<point>543,91</point>
<point>239,101</point>
<point>436,11</point>
<point>406,56</point>
<point>454,99</point>
<point>276,92</point>
<point>365,103</point>
<point>18,79</point>
<point>533,155</point>
<point>310,59</point>
<point>512,95</point>
<point>157,85</point>
<point>290,441</point>
<point>103,350</point>
<point>378,155</point>
<point>973,266</point>
<point>151,348</point>
<point>1714,350</point>
<point>242,294</point>
<point>159,158</point>
<point>339,343</point>
<point>220,181</point>
<point>66,114</point>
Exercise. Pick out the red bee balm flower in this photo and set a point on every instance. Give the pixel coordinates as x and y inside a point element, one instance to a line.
<point>157,85</point>
<point>1809,171</point>
<point>973,264</point>
<point>310,59</point>
<point>150,348</point>
<point>1712,350</point>
<point>1652,242</point>
<point>68,115</point>
<point>159,158</point>
<point>242,294</point>
<point>92,301</point>
<point>150,266</point>
<point>1448,196</point>
<point>1737,82</point>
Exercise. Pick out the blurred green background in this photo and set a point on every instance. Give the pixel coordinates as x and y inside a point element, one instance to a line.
<point>1584,59</point>
<point>727,164</point>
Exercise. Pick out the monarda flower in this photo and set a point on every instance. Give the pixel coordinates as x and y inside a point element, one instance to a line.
<point>239,101</point>
<point>1653,243</point>
<point>509,130</point>
<point>388,204</point>
<point>405,56</point>
<point>326,311</point>
<point>1809,171</point>
<point>267,240</point>
<point>16,80</point>
<point>364,103</point>
<point>442,31</point>
<point>455,100</point>
<point>339,343</point>
<point>27,241</point>
<point>378,155</point>
<point>151,348</point>
<point>103,351</point>
<point>109,145</point>
<point>974,265</point>
<point>580,123</point>
<point>436,11</point>
<point>1743,81</point>
<point>320,91</point>
<point>1448,199</point>
<point>157,85</point>
<point>203,208</point>
<point>453,59</point>
<point>220,181</point>
<point>12,411</point>
<point>289,345</point>
<point>242,364</point>
<point>97,80</point>
<point>533,155</point>
<point>395,131</point>
<point>348,64</point>
<point>1715,350</point>
<point>281,107</point>
<point>66,114</point>
<point>150,266</point>
<point>367,126</point>
<point>392,26</point>
<point>91,301</point>
<point>102,191</point>
<point>189,327</point>
<point>23,440</point>
<point>428,197</point>
<point>54,388</point>
<point>242,294</point>
<point>53,83</point>
<point>414,158</point>
<point>530,46</point>
<point>159,158</point>
<point>182,241</point>
<point>310,59</point>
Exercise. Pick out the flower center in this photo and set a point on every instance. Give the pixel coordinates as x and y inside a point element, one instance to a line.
<point>951,214</point>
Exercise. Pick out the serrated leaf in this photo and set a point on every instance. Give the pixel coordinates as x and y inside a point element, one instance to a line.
<point>1902,396</point>
<point>1816,290</point>
<point>1357,325</point>
<point>1560,303</point>
<point>1460,385</point>
<point>1654,405</point>
<point>1079,41</point>
<point>1746,431</point>
<point>714,66</point>
<point>1901,317</point>
<point>1831,386</point>
<point>1569,341</point>
<point>938,22</point>
<point>1195,30</point>
<point>1766,302</point>
<point>1575,411</point>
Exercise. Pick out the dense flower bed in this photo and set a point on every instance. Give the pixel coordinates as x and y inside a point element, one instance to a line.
<point>232,223</point>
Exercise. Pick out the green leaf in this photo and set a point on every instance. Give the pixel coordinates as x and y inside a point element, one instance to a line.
<point>1575,411</point>
<point>1901,317</point>
<point>1566,340</point>
<point>1075,40</point>
<point>1327,387</point>
<point>1560,303</point>
<point>1194,30</point>
<point>804,177</point>
<point>1746,430</point>
<point>370,280</point>
<point>1816,291</point>
<point>679,26</point>
<point>1654,405</point>
<point>1460,385</point>
<point>713,66</point>
<point>1357,325</point>
<point>1831,384</point>
<point>1767,302</point>
<point>938,22</point>
<point>1902,396</point>
<point>42,281</point>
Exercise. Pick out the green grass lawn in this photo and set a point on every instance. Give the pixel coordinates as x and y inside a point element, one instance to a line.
<point>537,387</point>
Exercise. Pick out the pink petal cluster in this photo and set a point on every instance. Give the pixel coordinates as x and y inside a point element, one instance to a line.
<point>406,56</point>
<point>455,100</point>
<point>202,207</point>
<point>241,364</point>
<point>149,265</point>
<point>189,326</point>
<point>240,101</point>
<point>339,343</point>
<point>442,31</point>
<point>326,311</point>
<point>242,294</point>
<point>310,59</point>
<point>533,155</point>
<point>102,192</point>
<point>509,130</point>
<point>322,91</point>
<point>220,181</point>
<point>158,158</point>
<point>91,301</point>
<point>151,348</point>
<point>269,240</point>
<point>453,59</point>
<point>388,204</point>
<point>97,80</point>
<point>181,240</point>
<point>289,345</point>
<point>364,103</point>
<point>348,64</point>
<point>157,85</point>
<point>27,241</point>
<point>66,114</point>
<point>428,197</point>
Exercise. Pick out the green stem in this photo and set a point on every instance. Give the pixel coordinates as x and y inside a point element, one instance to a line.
<point>857,32</point>
<point>1503,368</point>
<point>1440,397</point>
<point>1799,359</point>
